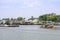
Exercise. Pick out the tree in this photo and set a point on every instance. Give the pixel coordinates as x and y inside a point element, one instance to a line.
<point>6,19</point>
<point>12,19</point>
<point>43,17</point>
<point>32,18</point>
<point>20,18</point>
<point>57,18</point>
<point>48,17</point>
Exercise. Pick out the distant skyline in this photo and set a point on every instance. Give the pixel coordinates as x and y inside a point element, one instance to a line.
<point>28,8</point>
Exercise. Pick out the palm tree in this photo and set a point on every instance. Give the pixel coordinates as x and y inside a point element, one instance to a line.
<point>32,18</point>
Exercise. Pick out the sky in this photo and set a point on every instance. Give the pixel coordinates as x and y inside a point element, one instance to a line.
<point>28,8</point>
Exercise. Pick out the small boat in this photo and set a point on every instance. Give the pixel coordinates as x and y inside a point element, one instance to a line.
<point>13,25</point>
<point>48,25</point>
<point>4,25</point>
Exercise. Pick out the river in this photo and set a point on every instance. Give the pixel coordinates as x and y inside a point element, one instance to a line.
<point>29,32</point>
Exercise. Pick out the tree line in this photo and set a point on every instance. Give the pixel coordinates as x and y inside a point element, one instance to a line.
<point>50,17</point>
<point>46,17</point>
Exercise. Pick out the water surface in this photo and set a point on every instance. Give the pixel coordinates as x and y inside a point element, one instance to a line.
<point>29,32</point>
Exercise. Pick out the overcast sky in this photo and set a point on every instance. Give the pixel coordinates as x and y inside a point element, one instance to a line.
<point>27,8</point>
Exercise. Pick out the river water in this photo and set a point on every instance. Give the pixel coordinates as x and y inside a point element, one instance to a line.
<point>29,32</point>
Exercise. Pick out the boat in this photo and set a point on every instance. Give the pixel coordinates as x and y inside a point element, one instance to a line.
<point>13,25</point>
<point>48,24</point>
<point>4,25</point>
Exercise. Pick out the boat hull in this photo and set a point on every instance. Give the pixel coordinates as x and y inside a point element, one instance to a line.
<point>47,26</point>
<point>9,25</point>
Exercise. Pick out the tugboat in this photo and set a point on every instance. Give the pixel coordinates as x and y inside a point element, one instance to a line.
<point>48,24</point>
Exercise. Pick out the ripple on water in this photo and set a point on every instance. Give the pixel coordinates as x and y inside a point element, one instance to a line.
<point>29,33</point>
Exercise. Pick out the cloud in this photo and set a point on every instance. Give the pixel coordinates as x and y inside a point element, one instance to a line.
<point>44,5</point>
<point>9,1</point>
<point>54,0</point>
<point>19,3</point>
<point>35,3</point>
<point>27,8</point>
<point>31,3</point>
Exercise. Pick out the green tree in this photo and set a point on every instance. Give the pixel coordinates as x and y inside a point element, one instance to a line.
<point>32,18</point>
<point>6,19</point>
<point>57,18</point>
<point>12,18</point>
<point>43,17</point>
<point>20,18</point>
<point>48,17</point>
